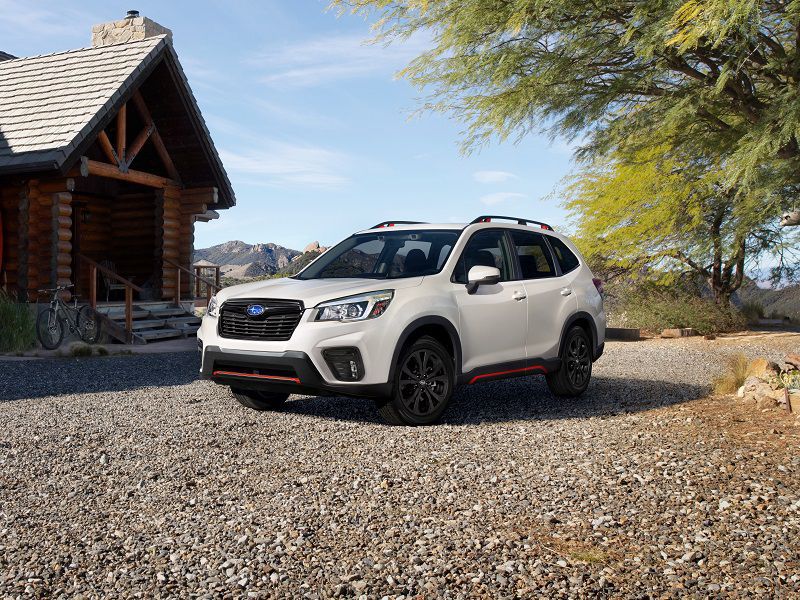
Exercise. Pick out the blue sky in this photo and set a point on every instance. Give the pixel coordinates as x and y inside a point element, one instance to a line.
<point>316,133</point>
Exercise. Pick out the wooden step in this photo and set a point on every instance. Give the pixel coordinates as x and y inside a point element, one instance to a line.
<point>148,324</point>
<point>169,312</point>
<point>186,320</point>
<point>136,314</point>
<point>158,334</point>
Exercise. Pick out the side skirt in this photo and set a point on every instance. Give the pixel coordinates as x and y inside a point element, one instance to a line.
<point>507,370</point>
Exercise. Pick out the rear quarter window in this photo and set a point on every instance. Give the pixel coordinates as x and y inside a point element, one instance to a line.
<point>566,258</point>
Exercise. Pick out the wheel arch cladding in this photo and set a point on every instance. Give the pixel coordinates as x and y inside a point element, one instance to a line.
<point>586,322</point>
<point>439,328</point>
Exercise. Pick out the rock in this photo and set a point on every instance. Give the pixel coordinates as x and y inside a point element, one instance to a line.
<point>312,247</point>
<point>678,333</point>
<point>767,401</point>
<point>740,392</point>
<point>763,369</point>
<point>793,360</point>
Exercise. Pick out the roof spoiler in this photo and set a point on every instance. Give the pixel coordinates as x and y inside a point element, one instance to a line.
<point>520,221</point>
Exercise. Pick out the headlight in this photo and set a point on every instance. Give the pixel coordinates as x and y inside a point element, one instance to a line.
<point>355,308</point>
<point>213,307</point>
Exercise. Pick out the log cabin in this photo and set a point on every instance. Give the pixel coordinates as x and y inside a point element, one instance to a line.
<point>106,164</point>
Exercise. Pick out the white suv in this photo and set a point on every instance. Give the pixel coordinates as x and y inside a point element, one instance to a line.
<point>404,312</point>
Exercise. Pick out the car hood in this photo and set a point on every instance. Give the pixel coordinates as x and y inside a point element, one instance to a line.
<point>312,291</point>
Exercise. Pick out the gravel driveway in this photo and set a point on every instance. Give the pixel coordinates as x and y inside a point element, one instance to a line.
<point>136,480</point>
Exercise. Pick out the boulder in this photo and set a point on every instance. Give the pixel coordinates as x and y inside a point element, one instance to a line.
<point>763,368</point>
<point>759,392</point>
<point>312,247</point>
<point>793,360</point>
<point>678,333</point>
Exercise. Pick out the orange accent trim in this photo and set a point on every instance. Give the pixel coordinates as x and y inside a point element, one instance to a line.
<point>498,373</point>
<point>257,376</point>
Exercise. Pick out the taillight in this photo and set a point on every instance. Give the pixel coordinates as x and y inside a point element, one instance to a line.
<point>598,283</point>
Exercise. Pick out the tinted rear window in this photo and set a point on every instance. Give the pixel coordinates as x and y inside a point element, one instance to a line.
<point>565,257</point>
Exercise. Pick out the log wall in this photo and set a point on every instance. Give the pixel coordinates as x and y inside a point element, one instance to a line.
<point>10,197</point>
<point>168,237</point>
<point>194,201</point>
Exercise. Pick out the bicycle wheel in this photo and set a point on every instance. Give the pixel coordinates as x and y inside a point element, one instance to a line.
<point>49,329</point>
<point>88,323</point>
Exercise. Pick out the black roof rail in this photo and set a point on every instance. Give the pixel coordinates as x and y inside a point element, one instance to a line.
<point>393,223</point>
<point>520,221</point>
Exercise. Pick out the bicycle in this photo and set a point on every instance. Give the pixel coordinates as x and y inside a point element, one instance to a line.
<point>50,323</point>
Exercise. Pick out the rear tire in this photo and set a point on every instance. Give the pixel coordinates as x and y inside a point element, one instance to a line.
<point>573,377</point>
<point>423,385</point>
<point>259,400</point>
<point>49,329</point>
<point>89,326</point>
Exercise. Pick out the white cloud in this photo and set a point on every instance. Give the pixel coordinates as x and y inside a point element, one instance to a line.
<point>500,197</point>
<point>333,58</point>
<point>288,165</point>
<point>493,176</point>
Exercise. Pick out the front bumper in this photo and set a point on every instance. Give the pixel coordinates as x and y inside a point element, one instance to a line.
<point>289,371</point>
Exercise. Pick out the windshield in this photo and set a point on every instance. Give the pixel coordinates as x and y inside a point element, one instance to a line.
<point>385,255</point>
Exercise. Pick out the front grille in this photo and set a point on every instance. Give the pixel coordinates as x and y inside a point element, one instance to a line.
<point>277,324</point>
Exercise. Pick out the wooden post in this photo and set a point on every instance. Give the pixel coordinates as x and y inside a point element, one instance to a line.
<point>216,279</point>
<point>208,295</point>
<point>93,287</point>
<point>122,134</point>
<point>129,313</point>
<point>197,272</point>
<point>177,286</point>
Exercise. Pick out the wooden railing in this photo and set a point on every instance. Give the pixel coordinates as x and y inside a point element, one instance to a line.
<point>210,285</point>
<point>130,287</point>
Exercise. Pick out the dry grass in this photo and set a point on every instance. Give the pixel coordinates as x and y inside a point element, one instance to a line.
<point>733,377</point>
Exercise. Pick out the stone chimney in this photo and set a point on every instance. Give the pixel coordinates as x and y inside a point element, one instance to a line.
<point>130,29</point>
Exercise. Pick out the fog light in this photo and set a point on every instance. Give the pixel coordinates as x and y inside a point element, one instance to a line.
<point>345,363</point>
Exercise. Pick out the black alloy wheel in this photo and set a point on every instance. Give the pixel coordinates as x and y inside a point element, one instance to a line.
<point>573,377</point>
<point>423,384</point>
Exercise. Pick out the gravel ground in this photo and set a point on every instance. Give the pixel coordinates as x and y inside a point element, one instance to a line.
<point>124,477</point>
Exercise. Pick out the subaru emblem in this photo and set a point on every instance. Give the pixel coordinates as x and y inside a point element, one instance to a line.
<point>255,310</point>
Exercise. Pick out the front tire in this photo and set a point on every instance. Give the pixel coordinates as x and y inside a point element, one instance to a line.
<point>49,329</point>
<point>423,385</point>
<point>259,400</point>
<point>573,377</point>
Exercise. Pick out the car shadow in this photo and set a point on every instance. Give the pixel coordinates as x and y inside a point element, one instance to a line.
<point>27,379</point>
<point>522,399</point>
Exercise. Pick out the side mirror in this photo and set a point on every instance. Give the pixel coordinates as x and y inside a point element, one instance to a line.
<point>480,275</point>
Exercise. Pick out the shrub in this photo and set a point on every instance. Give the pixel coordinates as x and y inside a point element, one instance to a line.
<point>733,378</point>
<point>17,325</point>
<point>79,349</point>
<point>753,311</point>
<point>654,307</point>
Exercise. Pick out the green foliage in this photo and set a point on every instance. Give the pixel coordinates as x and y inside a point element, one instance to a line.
<point>655,307</point>
<point>718,77</point>
<point>644,211</point>
<point>17,325</point>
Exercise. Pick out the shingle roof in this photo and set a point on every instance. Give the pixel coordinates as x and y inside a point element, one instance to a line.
<point>49,103</point>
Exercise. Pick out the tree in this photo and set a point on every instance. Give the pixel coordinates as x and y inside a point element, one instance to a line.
<point>642,212</point>
<point>719,77</point>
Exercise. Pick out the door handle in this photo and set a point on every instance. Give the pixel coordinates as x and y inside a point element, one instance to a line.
<point>566,291</point>
<point>519,296</point>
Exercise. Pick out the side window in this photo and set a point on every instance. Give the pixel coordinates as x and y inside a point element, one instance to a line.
<point>565,257</point>
<point>535,260</point>
<point>485,248</point>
